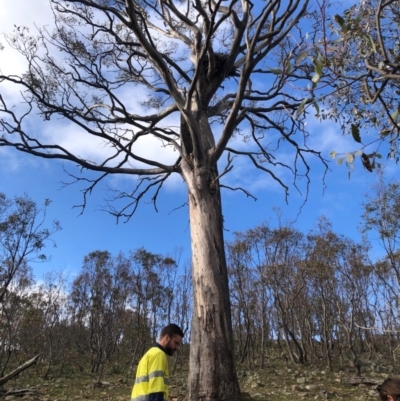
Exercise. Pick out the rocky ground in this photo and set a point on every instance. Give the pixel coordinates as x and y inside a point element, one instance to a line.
<point>275,384</point>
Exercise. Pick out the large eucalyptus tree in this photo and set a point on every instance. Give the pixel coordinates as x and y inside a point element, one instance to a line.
<point>223,69</point>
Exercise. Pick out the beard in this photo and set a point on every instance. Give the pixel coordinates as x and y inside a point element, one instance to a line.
<point>168,349</point>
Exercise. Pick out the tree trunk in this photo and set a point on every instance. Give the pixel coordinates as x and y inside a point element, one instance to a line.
<point>46,374</point>
<point>212,374</point>
<point>262,340</point>
<point>134,354</point>
<point>9,352</point>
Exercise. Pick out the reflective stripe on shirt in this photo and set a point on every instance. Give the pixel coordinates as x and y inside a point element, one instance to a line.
<point>156,373</point>
<point>141,398</point>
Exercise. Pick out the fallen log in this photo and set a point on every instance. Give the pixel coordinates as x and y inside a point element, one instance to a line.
<point>17,371</point>
<point>21,392</point>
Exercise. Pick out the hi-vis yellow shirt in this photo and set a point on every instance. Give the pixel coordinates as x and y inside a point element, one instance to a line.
<point>152,376</point>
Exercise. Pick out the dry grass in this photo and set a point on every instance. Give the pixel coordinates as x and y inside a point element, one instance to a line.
<point>274,383</point>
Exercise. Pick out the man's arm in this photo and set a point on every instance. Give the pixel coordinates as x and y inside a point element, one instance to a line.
<point>158,383</point>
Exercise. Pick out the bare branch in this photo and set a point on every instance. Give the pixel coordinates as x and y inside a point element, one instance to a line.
<point>247,193</point>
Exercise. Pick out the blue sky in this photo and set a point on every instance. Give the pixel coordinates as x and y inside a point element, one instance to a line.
<point>161,232</point>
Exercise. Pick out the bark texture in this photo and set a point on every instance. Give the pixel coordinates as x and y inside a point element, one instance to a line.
<point>212,366</point>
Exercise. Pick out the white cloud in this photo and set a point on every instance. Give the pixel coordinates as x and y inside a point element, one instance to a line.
<point>22,12</point>
<point>326,137</point>
<point>89,147</point>
<point>36,14</point>
<point>32,14</point>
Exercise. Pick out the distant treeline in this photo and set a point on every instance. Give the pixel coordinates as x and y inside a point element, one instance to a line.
<point>314,297</point>
<point>317,296</point>
<point>107,316</point>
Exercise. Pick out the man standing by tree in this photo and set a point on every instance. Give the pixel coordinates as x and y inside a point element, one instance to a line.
<point>152,374</point>
<point>183,58</point>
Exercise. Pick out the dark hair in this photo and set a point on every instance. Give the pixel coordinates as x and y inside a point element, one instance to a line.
<point>389,387</point>
<point>171,330</point>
